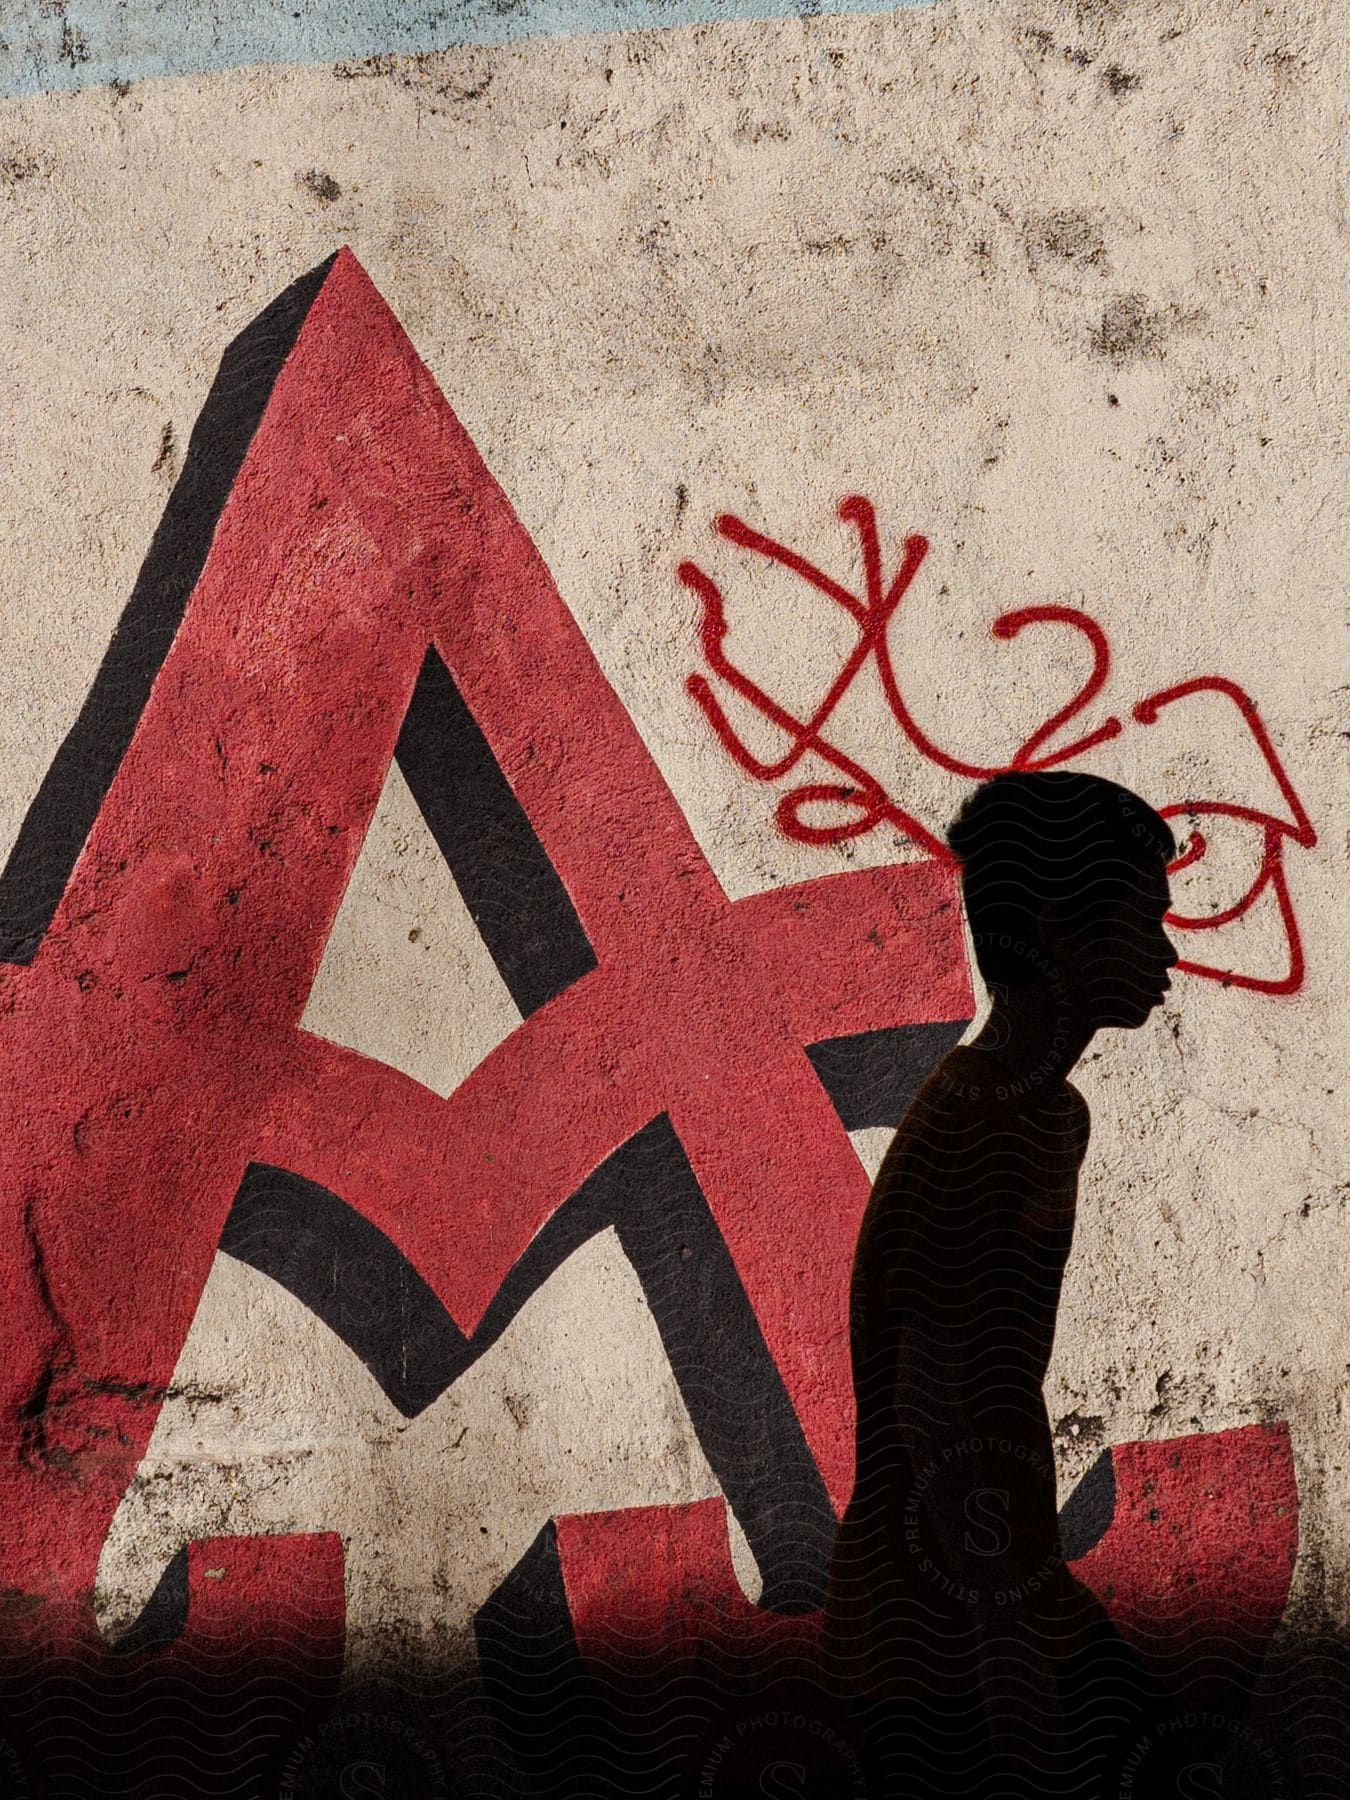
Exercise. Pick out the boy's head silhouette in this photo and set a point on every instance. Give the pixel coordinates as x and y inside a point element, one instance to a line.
<point>1064,878</point>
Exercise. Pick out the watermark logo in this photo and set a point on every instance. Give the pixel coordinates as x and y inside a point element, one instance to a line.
<point>15,1782</point>
<point>782,1753</point>
<point>358,1755</point>
<point>973,1483</point>
<point>1203,1755</point>
<point>986,1509</point>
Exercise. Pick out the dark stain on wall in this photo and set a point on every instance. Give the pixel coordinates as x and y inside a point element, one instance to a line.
<point>321,185</point>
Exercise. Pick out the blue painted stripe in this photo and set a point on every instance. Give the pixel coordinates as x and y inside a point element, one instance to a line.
<point>48,45</point>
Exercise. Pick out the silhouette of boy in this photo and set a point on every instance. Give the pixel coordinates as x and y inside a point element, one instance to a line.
<point>951,1621</point>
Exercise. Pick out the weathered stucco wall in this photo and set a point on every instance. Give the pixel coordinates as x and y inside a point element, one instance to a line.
<point>1059,288</point>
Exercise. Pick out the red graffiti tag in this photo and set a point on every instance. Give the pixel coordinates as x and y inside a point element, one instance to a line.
<point>865,795</point>
<point>1298,828</point>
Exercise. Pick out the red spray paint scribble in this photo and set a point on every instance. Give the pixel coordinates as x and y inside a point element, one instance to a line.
<point>865,793</point>
<point>1298,828</point>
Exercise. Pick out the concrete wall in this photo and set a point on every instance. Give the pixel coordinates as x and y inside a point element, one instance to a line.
<point>448,1030</point>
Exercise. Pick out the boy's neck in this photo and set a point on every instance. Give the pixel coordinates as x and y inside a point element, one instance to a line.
<point>1032,1028</point>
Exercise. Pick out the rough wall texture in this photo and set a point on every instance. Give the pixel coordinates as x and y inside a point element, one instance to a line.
<point>445,1046</point>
